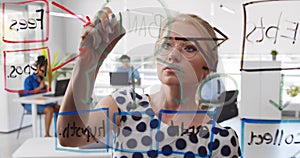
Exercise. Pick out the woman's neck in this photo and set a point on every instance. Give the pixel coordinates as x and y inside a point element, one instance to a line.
<point>175,97</point>
<point>38,76</point>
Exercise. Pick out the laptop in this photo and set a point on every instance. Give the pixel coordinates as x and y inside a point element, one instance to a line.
<point>118,78</point>
<point>60,88</point>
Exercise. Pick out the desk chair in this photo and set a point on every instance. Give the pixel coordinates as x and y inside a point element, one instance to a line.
<point>21,94</point>
<point>229,109</point>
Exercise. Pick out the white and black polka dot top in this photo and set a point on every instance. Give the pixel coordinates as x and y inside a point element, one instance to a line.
<point>142,135</point>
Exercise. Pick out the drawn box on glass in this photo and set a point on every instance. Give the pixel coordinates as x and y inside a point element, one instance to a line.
<point>134,135</point>
<point>99,133</point>
<point>280,138</point>
<point>182,139</point>
<point>268,25</point>
<point>15,71</point>
<point>30,24</point>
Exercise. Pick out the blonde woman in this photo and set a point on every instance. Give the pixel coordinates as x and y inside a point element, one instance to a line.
<point>163,124</point>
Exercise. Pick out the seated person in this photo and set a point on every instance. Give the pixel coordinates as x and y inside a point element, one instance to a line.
<point>125,60</point>
<point>35,84</point>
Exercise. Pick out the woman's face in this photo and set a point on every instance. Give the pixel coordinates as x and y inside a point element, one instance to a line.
<point>41,70</point>
<point>181,59</point>
<point>126,64</point>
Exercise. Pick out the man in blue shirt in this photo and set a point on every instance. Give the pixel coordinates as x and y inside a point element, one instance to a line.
<point>35,84</point>
<point>125,60</point>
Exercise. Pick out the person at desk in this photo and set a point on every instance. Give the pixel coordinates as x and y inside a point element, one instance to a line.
<point>35,84</point>
<point>125,60</point>
<point>186,53</point>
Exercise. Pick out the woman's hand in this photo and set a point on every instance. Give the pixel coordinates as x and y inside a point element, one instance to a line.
<point>100,37</point>
<point>42,84</point>
<point>97,41</point>
<point>40,87</point>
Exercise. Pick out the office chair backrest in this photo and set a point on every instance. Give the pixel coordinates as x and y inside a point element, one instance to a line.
<point>229,109</point>
<point>229,97</point>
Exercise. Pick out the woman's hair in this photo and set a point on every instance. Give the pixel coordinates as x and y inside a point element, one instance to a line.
<point>211,57</point>
<point>41,61</point>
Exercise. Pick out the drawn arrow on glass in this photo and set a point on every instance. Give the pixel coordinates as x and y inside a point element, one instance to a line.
<point>297,153</point>
<point>223,39</point>
<point>86,22</point>
<point>280,106</point>
<point>181,101</point>
<point>88,100</point>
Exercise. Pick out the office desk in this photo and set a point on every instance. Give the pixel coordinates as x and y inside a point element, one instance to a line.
<point>45,147</point>
<point>34,100</point>
<point>293,104</point>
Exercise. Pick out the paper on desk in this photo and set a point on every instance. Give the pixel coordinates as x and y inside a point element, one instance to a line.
<point>41,98</point>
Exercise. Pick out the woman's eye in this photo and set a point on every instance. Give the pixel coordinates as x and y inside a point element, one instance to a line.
<point>166,45</point>
<point>190,48</point>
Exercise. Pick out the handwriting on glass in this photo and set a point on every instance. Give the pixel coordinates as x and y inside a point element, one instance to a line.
<point>30,23</point>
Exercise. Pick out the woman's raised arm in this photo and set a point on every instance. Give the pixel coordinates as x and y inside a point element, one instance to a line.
<point>76,120</point>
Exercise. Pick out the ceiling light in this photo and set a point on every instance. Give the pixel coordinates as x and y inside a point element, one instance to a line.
<point>227,9</point>
<point>64,15</point>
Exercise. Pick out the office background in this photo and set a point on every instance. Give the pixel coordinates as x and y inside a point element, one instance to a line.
<point>226,15</point>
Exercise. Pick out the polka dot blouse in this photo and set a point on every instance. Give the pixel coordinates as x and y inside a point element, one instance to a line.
<point>142,135</point>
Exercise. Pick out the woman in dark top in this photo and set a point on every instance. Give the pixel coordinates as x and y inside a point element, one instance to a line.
<point>34,84</point>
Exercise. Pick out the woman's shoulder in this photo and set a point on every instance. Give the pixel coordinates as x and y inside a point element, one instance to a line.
<point>225,133</point>
<point>29,81</point>
<point>219,128</point>
<point>226,141</point>
<point>30,77</point>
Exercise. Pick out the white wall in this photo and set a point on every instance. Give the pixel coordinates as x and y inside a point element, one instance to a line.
<point>10,111</point>
<point>57,33</point>
<point>231,24</point>
<point>65,32</point>
<point>74,26</point>
<point>134,38</point>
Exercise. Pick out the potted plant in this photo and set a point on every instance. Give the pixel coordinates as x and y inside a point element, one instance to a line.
<point>52,75</point>
<point>274,54</point>
<point>293,91</point>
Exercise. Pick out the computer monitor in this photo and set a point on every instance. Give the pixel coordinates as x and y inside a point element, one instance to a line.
<point>60,88</point>
<point>119,78</point>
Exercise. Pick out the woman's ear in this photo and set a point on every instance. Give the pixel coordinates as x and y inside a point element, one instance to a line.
<point>206,71</point>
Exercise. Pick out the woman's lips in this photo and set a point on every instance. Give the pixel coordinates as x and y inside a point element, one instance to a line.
<point>170,69</point>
